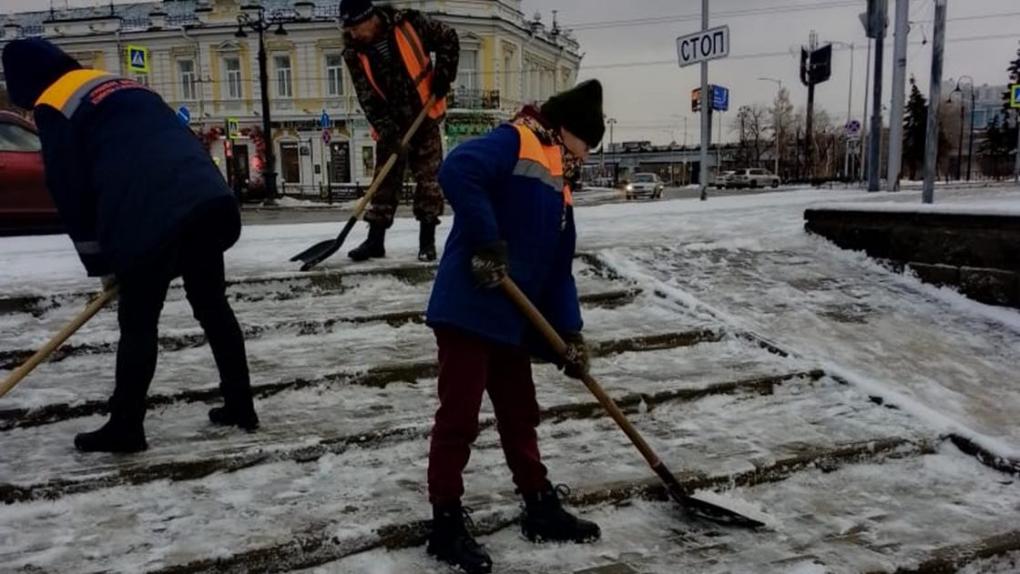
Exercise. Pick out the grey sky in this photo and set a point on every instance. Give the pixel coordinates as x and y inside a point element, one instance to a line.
<point>643,97</point>
<point>649,100</point>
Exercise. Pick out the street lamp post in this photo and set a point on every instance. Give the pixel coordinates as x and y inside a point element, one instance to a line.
<point>849,103</point>
<point>779,120</point>
<point>612,122</point>
<point>970,145</point>
<point>253,17</point>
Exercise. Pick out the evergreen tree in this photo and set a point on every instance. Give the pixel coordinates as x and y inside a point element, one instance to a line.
<point>995,149</point>
<point>915,128</point>
<point>1014,78</point>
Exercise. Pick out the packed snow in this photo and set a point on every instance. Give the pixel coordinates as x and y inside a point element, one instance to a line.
<point>870,357</point>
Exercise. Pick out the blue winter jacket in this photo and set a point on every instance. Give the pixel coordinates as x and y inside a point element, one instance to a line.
<point>491,202</point>
<point>125,174</point>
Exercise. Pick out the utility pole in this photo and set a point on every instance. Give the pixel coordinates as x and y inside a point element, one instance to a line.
<point>877,12</point>
<point>865,140</point>
<point>778,118</point>
<point>809,136</point>
<point>898,95</point>
<point>815,68</point>
<point>931,144</point>
<point>612,124</point>
<point>706,111</point>
<point>970,151</point>
<point>1016,165</point>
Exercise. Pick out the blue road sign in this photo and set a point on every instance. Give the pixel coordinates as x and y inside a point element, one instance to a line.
<point>1014,100</point>
<point>184,114</point>
<point>324,120</point>
<point>720,98</point>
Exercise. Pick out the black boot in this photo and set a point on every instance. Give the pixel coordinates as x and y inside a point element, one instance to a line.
<point>231,415</point>
<point>545,520</point>
<point>451,542</point>
<point>427,242</point>
<point>373,247</point>
<point>114,436</point>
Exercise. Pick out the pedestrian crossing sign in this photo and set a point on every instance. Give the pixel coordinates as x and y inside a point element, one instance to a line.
<point>1014,96</point>
<point>138,59</point>
<point>233,128</point>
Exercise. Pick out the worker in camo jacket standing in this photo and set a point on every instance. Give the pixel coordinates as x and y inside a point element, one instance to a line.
<point>143,203</point>
<point>387,54</point>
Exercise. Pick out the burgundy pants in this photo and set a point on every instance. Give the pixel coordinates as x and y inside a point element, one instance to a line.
<point>468,366</point>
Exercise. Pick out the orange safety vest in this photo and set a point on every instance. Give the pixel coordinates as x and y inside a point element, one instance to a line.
<point>418,65</point>
<point>543,162</point>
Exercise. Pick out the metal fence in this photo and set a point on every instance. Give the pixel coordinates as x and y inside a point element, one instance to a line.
<point>336,192</point>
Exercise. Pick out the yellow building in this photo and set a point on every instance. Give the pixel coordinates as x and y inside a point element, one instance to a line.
<point>189,52</point>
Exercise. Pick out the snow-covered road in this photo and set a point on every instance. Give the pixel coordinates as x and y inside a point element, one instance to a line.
<point>804,381</point>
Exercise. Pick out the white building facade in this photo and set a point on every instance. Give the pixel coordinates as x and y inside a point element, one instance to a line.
<point>196,61</point>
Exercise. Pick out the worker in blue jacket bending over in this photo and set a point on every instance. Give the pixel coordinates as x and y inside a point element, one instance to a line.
<point>143,203</point>
<point>513,214</point>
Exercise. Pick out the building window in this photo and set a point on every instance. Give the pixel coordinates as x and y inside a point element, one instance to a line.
<point>508,64</point>
<point>368,158</point>
<point>290,162</point>
<point>142,79</point>
<point>284,88</point>
<point>548,83</point>
<point>529,73</point>
<point>186,73</point>
<point>233,68</point>
<point>334,75</point>
<point>467,70</point>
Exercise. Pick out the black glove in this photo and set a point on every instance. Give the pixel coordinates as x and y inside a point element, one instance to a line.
<point>489,265</point>
<point>575,360</point>
<point>440,85</point>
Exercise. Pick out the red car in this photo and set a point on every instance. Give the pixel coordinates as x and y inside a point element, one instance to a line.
<point>25,205</point>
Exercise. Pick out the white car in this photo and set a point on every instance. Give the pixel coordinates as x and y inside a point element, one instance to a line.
<point>723,179</point>
<point>753,178</point>
<point>644,185</point>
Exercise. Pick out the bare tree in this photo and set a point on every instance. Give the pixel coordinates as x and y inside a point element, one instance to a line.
<point>752,126</point>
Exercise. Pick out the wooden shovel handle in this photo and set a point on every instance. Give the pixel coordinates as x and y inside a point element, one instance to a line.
<point>42,354</point>
<point>558,345</point>
<point>362,204</point>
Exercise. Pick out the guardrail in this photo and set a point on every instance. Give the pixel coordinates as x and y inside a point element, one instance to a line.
<point>336,192</point>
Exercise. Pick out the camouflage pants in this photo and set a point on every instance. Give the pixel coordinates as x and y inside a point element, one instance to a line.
<point>424,155</point>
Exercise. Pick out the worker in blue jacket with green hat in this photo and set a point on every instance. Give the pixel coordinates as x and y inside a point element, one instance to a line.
<point>513,215</point>
<point>143,203</point>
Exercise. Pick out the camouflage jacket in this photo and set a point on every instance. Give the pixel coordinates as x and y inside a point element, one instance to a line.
<point>391,116</point>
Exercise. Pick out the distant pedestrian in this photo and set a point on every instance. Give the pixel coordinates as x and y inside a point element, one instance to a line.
<point>143,203</point>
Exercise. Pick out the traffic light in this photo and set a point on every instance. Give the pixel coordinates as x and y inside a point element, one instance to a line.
<point>816,67</point>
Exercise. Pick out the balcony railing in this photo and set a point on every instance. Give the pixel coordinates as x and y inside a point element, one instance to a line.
<point>469,99</point>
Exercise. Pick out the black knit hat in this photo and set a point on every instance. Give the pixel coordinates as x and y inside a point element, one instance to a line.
<point>31,66</point>
<point>354,12</point>
<point>579,110</point>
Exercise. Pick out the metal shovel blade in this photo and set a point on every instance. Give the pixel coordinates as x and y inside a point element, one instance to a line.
<point>317,252</point>
<point>697,505</point>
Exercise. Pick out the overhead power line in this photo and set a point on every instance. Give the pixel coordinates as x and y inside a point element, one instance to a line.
<point>696,16</point>
<point>763,55</point>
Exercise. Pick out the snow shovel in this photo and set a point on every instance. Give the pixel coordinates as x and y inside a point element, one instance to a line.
<point>321,251</point>
<point>42,354</point>
<point>698,507</point>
